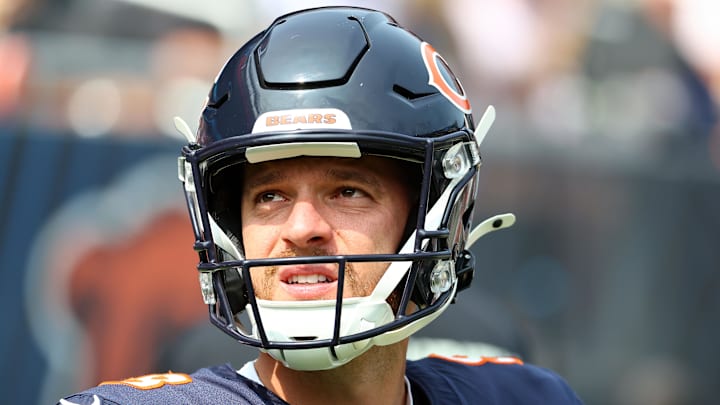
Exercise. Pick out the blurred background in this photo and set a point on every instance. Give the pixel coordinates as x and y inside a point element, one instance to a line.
<point>606,147</point>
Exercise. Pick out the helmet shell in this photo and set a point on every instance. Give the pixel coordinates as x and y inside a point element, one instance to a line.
<point>401,101</point>
<point>356,60</point>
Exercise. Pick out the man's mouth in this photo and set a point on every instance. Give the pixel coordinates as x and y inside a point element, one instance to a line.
<point>308,279</point>
<point>308,282</point>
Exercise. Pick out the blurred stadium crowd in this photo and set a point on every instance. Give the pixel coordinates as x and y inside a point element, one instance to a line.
<point>558,69</point>
<point>607,145</point>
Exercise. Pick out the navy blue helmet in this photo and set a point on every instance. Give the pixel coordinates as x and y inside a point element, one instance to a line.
<point>336,82</point>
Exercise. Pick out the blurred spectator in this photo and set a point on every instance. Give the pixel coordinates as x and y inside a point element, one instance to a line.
<point>590,76</point>
<point>96,71</point>
<point>645,92</point>
<point>691,25</point>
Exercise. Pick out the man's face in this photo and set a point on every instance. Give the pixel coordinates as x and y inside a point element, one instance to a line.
<point>322,206</point>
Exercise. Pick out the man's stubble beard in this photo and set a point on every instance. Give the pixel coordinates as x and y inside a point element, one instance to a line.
<point>360,287</point>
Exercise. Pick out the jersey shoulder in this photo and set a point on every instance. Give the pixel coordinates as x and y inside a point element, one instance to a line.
<point>492,380</point>
<point>220,384</point>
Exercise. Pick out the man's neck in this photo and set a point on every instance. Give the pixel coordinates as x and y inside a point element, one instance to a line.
<point>376,377</point>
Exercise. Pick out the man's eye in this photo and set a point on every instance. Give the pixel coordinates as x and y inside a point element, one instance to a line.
<point>350,192</point>
<point>269,197</point>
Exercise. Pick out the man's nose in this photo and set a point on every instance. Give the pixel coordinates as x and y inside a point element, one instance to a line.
<point>306,226</point>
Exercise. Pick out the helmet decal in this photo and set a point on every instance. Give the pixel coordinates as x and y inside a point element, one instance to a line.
<point>313,118</point>
<point>440,77</point>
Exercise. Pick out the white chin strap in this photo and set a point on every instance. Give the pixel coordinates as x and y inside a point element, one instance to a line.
<point>359,314</point>
<point>313,320</point>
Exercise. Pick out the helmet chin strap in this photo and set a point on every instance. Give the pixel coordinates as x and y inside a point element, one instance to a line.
<point>312,320</point>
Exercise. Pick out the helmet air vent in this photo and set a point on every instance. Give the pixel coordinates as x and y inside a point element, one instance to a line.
<point>303,54</point>
<point>408,94</point>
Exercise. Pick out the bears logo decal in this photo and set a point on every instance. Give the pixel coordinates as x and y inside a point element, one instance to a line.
<point>442,78</point>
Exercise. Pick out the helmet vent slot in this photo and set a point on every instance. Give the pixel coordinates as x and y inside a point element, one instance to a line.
<point>219,102</point>
<point>408,94</point>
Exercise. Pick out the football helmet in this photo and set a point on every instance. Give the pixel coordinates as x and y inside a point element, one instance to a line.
<point>336,82</point>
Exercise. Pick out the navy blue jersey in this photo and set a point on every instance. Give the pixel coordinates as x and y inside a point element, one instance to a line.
<point>488,380</point>
<point>434,380</point>
<point>214,385</point>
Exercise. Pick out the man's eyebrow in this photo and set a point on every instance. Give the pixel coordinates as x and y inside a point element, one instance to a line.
<point>338,174</point>
<point>353,175</point>
<point>263,179</point>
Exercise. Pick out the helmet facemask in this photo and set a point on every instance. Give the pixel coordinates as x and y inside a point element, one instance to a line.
<point>420,278</point>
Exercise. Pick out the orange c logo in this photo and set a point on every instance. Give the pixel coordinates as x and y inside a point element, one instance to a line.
<point>436,66</point>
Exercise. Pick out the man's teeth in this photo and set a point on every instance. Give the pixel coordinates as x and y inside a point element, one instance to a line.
<point>308,279</point>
